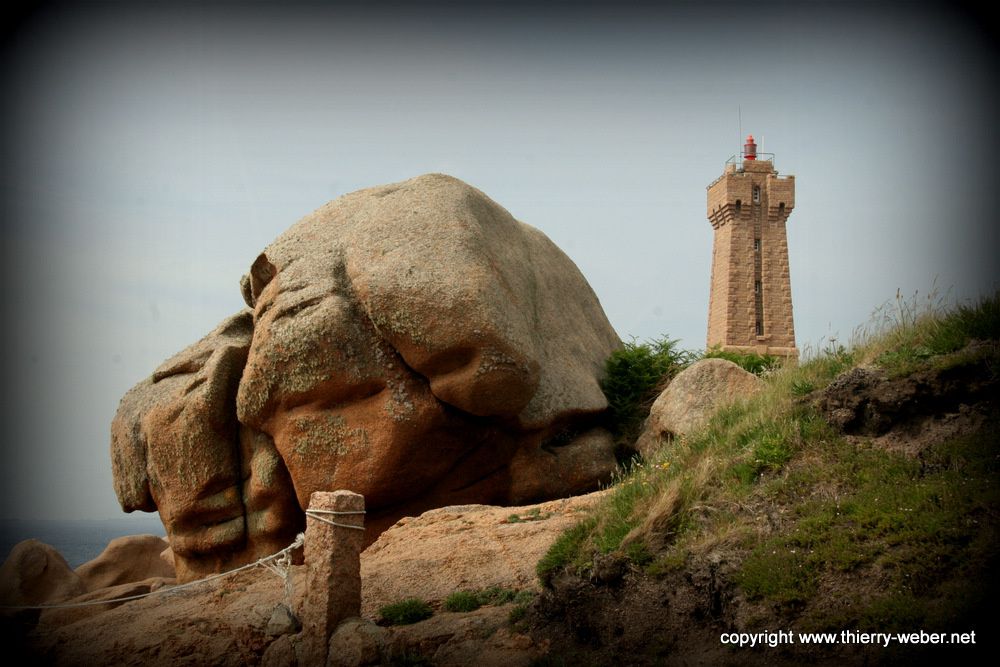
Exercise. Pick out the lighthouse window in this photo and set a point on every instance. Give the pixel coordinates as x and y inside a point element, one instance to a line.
<point>739,204</point>
<point>756,194</point>
<point>781,208</point>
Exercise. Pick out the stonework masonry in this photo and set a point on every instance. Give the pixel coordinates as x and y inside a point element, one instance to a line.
<point>750,301</point>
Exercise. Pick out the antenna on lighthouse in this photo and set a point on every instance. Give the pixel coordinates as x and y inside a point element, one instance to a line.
<point>739,136</point>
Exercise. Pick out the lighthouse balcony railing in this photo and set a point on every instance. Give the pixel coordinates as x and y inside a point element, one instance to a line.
<point>737,160</point>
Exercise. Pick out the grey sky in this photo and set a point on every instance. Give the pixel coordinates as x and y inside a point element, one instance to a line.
<point>151,155</point>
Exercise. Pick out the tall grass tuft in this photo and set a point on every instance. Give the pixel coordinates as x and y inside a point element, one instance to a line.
<point>907,331</point>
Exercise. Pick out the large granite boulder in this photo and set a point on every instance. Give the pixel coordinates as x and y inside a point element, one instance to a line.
<point>692,398</point>
<point>413,343</point>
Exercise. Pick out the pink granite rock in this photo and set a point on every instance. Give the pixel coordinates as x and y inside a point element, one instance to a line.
<point>413,343</point>
<point>125,560</point>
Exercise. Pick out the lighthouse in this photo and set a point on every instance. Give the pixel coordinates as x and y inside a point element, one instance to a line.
<point>750,300</point>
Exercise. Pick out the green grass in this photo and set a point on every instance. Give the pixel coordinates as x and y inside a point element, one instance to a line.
<point>906,333</point>
<point>564,551</point>
<point>533,514</point>
<point>845,508</point>
<point>915,522</point>
<point>758,364</point>
<point>522,600</point>
<point>465,601</point>
<point>406,612</point>
<point>517,614</point>
<point>638,553</point>
<point>497,596</point>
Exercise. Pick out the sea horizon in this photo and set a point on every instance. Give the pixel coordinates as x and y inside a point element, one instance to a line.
<point>78,540</point>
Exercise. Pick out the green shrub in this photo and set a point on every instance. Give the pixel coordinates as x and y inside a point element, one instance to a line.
<point>462,601</point>
<point>406,612</point>
<point>634,374</point>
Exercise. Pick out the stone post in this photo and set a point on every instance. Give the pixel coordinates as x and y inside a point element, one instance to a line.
<point>333,562</point>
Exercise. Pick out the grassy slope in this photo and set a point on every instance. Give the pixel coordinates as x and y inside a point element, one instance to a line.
<point>827,531</point>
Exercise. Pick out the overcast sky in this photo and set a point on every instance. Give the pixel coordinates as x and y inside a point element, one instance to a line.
<point>150,155</point>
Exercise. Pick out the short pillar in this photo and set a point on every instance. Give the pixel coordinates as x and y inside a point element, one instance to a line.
<point>333,562</point>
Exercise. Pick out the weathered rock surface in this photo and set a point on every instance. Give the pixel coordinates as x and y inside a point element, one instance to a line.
<point>282,622</point>
<point>413,343</point>
<point>356,642</point>
<point>212,625</point>
<point>176,446</point>
<point>67,615</point>
<point>125,560</point>
<point>35,573</point>
<point>482,637</point>
<point>692,397</point>
<point>281,653</point>
<point>226,621</point>
<point>469,547</point>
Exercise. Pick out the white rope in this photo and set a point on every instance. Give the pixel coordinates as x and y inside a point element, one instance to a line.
<point>283,563</point>
<point>263,562</point>
<point>280,568</point>
<point>315,514</point>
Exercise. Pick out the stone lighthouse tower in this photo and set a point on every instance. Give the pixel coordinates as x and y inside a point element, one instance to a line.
<point>750,303</point>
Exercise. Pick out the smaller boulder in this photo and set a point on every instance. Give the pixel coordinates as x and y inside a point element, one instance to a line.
<point>281,653</point>
<point>282,622</point>
<point>356,642</point>
<point>126,560</point>
<point>692,398</point>
<point>35,573</point>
